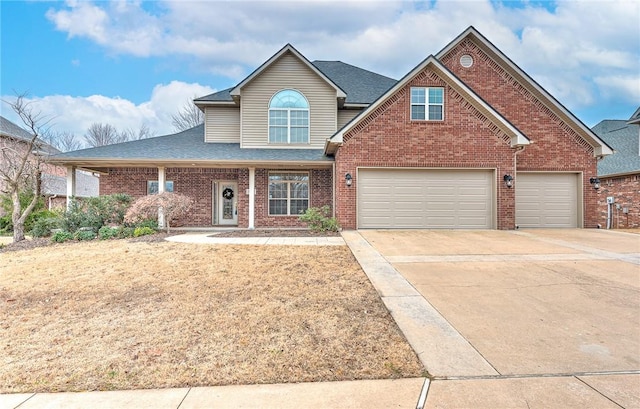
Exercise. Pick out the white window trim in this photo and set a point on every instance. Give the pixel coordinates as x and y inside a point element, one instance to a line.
<point>288,182</point>
<point>308,110</point>
<point>426,104</point>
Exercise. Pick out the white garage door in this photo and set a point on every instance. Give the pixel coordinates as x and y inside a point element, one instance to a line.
<point>546,199</point>
<point>410,199</point>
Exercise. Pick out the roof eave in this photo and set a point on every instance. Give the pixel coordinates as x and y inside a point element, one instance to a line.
<point>90,163</point>
<point>600,148</point>
<point>235,92</point>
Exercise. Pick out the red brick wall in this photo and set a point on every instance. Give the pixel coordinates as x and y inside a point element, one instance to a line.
<point>555,147</point>
<point>464,139</point>
<point>626,191</point>
<point>319,190</point>
<point>197,184</point>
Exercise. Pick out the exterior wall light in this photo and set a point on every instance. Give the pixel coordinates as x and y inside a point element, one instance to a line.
<point>348,179</point>
<point>595,182</point>
<point>508,180</point>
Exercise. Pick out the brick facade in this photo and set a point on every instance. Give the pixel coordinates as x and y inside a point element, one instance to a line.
<point>626,192</point>
<point>197,183</point>
<point>465,138</point>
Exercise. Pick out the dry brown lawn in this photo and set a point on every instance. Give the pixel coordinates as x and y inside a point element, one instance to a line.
<point>129,315</point>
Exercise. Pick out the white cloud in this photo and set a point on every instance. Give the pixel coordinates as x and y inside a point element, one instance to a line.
<point>76,114</point>
<point>570,48</point>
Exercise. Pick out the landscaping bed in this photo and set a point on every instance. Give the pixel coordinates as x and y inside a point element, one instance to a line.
<point>119,314</point>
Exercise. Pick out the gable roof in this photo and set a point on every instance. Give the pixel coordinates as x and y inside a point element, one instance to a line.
<point>361,86</point>
<point>517,137</point>
<point>11,130</point>
<point>624,138</point>
<point>635,118</point>
<point>600,148</point>
<point>235,92</point>
<point>188,148</point>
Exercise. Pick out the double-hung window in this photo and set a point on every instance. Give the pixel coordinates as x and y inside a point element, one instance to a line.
<point>288,117</point>
<point>427,104</point>
<point>288,193</point>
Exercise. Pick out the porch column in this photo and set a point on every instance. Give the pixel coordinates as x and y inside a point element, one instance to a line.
<point>71,184</point>
<point>252,197</point>
<point>161,183</point>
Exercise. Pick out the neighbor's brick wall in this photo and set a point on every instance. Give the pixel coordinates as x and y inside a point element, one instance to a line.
<point>390,139</point>
<point>555,146</point>
<point>197,183</point>
<point>626,190</point>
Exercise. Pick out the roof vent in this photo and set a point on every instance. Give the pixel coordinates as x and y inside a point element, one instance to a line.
<point>466,61</point>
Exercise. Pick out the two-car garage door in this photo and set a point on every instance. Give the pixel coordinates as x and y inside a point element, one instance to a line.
<point>462,199</point>
<point>425,198</point>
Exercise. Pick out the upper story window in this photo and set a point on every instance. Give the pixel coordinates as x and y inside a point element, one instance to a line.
<point>288,117</point>
<point>427,104</point>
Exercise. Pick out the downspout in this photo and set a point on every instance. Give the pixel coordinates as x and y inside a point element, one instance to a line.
<point>50,198</point>
<point>333,188</point>
<point>515,175</point>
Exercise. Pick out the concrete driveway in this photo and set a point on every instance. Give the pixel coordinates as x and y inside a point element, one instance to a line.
<point>530,318</point>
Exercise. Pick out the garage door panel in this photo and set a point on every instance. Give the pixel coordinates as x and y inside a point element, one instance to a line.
<point>425,198</point>
<point>547,200</point>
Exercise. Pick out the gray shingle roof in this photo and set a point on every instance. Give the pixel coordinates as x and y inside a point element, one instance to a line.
<point>624,138</point>
<point>190,145</point>
<point>360,85</point>
<point>8,128</point>
<point>86,185</point>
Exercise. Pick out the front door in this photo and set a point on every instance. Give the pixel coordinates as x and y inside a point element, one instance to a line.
<point>228,203</point>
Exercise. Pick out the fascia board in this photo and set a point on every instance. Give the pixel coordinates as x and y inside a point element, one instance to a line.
<point>287,48</point>
<point>600,147</point>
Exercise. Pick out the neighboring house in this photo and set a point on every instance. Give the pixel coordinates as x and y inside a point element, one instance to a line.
<point>53,178</point>
<point>619,174</point>
<point>465,140</point>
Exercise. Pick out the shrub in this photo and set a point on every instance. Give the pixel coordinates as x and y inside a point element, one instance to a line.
<point>6,222</point>
<point>143,231</point>
<point>174,206</point>
<point>125,232</point>
<point>61,236</point>
<point>107,232</point>
<point>317,218</point>
<point>83,235</point>
<point>43,226</point>
<point>150,223</point>
<point>96,212</point>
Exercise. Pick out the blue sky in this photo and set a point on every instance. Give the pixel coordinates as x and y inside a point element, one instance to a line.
<point>132,63</point>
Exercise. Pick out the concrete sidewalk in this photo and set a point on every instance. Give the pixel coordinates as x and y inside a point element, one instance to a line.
<point>400,393</point>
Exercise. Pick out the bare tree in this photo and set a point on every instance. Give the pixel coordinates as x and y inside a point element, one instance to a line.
<point>21,164</point>
<point>143,132</point>
<point>102,134</point>
<point>106,134</point>
<point>188,117</point>
<point>64,141</point>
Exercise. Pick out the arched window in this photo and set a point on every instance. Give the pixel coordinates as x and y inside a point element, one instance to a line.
<point>288,117</point>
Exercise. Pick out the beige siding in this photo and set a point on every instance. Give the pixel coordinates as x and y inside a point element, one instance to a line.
<point>287,72</point>
<point>346,115</point>
<point>222,124</point>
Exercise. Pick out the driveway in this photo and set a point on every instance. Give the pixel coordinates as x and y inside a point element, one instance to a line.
<point>539,318</point>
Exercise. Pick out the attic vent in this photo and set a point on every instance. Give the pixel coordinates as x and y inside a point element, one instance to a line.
<point>466,61</point>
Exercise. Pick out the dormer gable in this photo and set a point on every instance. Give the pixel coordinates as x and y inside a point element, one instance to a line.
<point>236,91</point>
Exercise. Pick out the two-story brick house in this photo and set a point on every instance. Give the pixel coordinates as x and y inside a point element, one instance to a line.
<point>464,140</point>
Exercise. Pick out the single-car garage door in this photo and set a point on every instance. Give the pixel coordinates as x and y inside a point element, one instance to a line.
<point>425,198</point>
<point>547,199</point>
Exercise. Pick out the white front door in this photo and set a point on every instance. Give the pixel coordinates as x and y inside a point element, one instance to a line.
<point>228,203</point>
